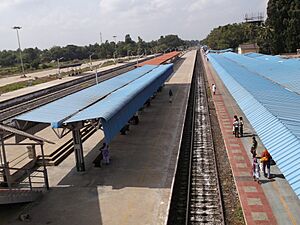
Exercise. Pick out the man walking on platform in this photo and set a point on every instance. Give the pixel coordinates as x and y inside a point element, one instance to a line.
<point>214,88</point>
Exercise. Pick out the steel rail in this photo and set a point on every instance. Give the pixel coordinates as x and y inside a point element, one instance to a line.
<point>196,197</point>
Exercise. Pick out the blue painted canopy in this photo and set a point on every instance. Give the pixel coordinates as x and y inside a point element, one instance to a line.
<point>113,101</point>
<point>272,110</point>
<point>58,111</point>
<point>285,72</point>
<point>118,107</point>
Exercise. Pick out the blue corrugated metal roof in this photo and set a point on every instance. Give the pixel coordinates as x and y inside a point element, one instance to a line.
<point>275,59</point>
<point>113,101</point>
<point>58,111</point>
<point>117,108</point>
<point>282,71</point>
<point>272,110</point>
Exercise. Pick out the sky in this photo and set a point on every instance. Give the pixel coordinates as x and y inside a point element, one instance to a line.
<point>48,23</point>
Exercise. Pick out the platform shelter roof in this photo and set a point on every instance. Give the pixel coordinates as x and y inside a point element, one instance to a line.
<point>272,110</point>
<point>160,59</point>
<point>58,111</point>
<point>113,101</point>
<point>284,72</point>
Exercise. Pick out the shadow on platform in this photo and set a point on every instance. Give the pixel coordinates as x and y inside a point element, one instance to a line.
<point>145,157</point>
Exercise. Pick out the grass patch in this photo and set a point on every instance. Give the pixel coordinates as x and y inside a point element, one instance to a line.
<point>40,80</point>
<point>108,63</point>
<point>16,70</point>
<point>239,216</point>
<point>27,83</point>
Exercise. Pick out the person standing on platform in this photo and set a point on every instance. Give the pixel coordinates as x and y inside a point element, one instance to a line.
<point>266,161</point>
<point>214,88</point>
<point>235,118</point>
<point>241,127</point>
<point>253,147</point>
<point>170,96</point>
<point>98,161</point>
<point>236,127</point>
<point>105,153</point>
<point>256,170</point>
<point>136,118</point>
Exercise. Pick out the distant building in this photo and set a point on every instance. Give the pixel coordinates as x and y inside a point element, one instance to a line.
<point>246,48</point>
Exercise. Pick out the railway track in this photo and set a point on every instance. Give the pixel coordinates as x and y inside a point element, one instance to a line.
<point>196,195</point>
<point>38,99</point>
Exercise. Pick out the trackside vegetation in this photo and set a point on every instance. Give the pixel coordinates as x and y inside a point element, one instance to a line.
<point>35,58</point>
<point>280,33</point>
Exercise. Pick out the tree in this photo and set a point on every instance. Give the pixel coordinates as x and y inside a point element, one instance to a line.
<point>128,39</point>
<point>284,19</point>
<point>265,40</point>
<point>31,57</point>
<point>231,36</point>
<point>280,33</point>
<point>34,57</point>
<point>8,58</point>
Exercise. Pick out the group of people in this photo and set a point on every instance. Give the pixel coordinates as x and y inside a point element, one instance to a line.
<point>263,161</point>
<point>238,126</point>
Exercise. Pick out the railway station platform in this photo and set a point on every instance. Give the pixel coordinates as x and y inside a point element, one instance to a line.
<point>271,202</point>
<point>135,188</point>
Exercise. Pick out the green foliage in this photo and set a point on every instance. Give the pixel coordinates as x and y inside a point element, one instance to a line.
<point>284,20</point>
<point>23,84</point>
<point>35,58</point>
<point>280,33</point>
<point>232,35</point>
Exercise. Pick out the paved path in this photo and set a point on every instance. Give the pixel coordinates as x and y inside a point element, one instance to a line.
<point>26,90</point>
<point>9,79</point>
<point>272,202</point>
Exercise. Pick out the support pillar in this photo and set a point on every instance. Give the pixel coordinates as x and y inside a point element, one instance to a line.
<point>45,168</point>
<point>6,172</point>
<point>78,149</point>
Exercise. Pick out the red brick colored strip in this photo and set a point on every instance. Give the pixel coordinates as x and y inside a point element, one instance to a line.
<point>256,208</point>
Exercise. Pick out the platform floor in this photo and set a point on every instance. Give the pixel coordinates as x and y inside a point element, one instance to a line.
<point>273,201</point>
<point>136,187</point>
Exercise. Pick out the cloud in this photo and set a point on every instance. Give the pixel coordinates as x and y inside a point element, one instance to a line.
<point>133,8</point>
<point>5,4</point>
<point>58,22</point>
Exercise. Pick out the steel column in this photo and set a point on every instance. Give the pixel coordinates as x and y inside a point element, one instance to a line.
<point>6,172</point>
<point>78,149</point>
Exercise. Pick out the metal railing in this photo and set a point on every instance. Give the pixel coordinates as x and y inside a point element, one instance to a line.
<point>29,179</point>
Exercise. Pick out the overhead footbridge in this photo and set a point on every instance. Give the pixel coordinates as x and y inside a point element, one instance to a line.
<point>265,94</point>
<point>108,106</point>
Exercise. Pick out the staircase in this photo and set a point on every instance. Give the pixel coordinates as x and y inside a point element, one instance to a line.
<point>61,153</point>
<point>18,196</point>
<point>28,186</point>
